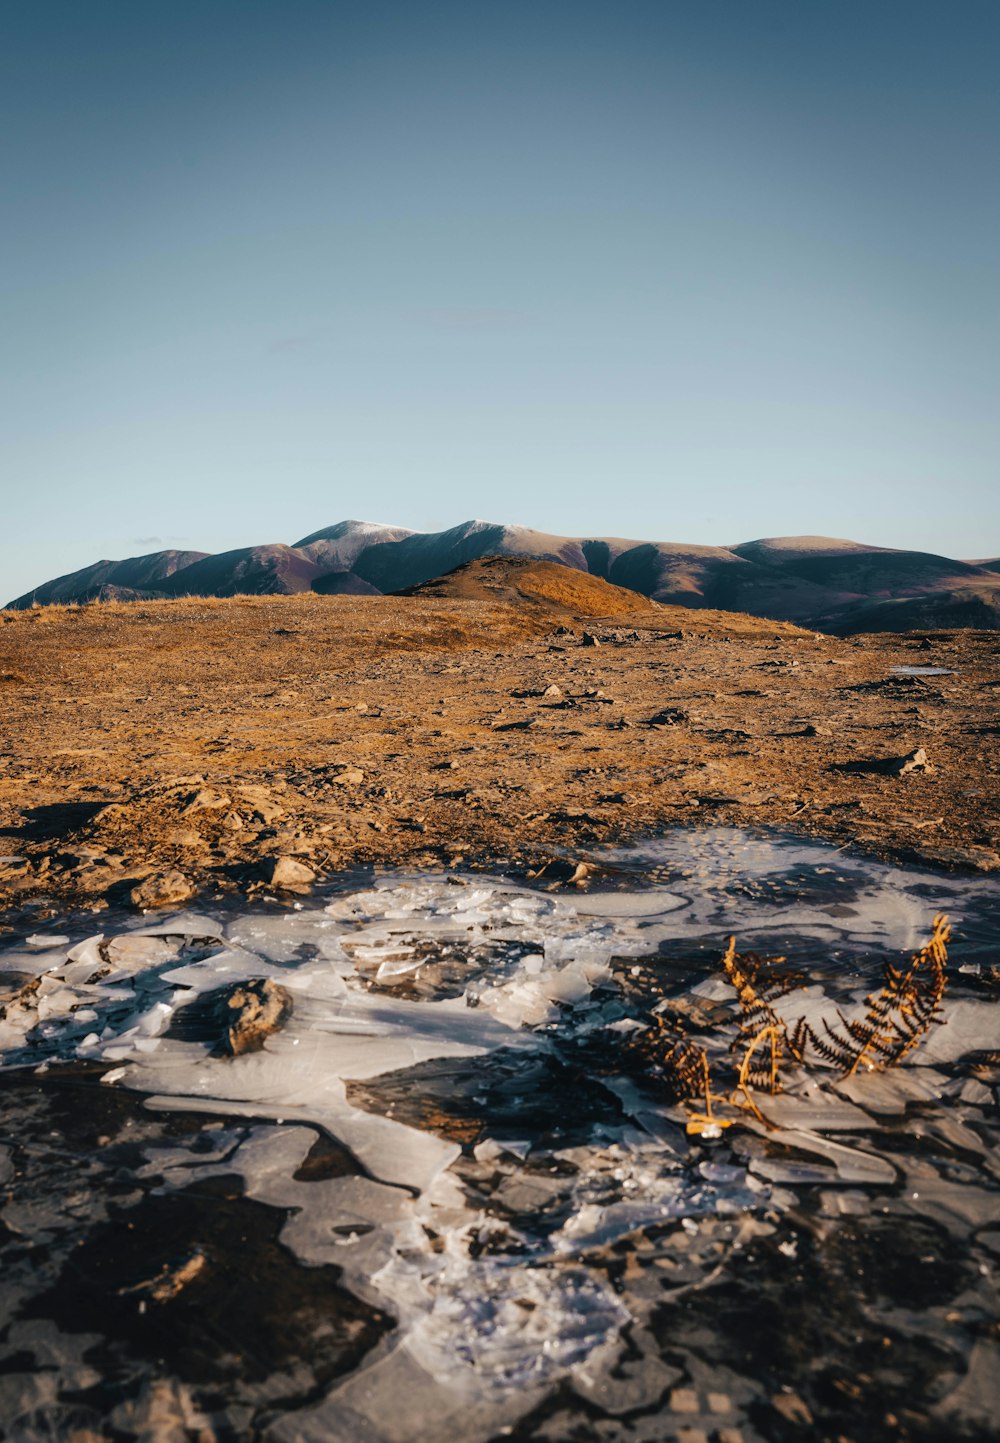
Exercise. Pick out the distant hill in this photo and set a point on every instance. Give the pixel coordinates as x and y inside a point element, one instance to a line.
<point>135,578</point>
<point>544,586</point>
<point>816,581</point>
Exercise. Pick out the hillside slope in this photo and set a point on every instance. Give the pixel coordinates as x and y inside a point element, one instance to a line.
<point>815,581</point>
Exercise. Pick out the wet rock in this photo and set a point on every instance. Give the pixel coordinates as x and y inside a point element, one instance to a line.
<point>565,870</point>
<point>582,873</point>
<point>162,889</point>
<point>252,1011</point>
<point>287,872</point>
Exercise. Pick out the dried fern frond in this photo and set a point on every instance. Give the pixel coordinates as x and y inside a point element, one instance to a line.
<point>676,1065</point>
<point>758,983</point>
<point>898,1016</point>
<point>758,986</point>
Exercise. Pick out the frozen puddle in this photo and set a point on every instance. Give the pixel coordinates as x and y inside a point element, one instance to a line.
<point>921,671</point>
<point>447,1199</point>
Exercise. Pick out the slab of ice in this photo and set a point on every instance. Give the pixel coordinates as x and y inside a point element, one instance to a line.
<point>890,1093</point>
<point>814,1109</point>
<point>485,1256</point>
<point>851,1165</point>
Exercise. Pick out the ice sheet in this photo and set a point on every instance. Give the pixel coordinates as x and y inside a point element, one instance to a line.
<point>419,1003</point>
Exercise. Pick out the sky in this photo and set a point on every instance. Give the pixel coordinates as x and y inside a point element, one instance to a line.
<point>688,270</point>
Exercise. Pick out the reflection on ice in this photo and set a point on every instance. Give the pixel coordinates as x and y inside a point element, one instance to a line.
<point>458,1038</point>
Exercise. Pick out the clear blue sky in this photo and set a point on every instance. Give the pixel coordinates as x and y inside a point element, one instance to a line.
<point>698,270</point>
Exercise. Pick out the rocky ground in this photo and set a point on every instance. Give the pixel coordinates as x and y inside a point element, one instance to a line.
<point>150,752</point>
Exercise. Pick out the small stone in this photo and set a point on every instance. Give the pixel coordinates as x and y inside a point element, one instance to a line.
<point>552,690</point>
<point>816,731</point>
<point>684,1400</point>
<point>589,639</point>
<point>913,762</point>
<point>206,800</point>
<point>349,777</point>
<point>162,889</point>
<point>287,872</point>
<point>264,806</point>
<point>171,1280</point>
<point>255,1010</point>
<point>185,837</point>
<point>671,716</point>
<point>792,1407</point>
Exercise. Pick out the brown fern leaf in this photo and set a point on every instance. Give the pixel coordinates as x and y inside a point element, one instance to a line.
<point>829,1046</point>
<point>758,986</point>
<point>675,1065</point>
<point>898,1016</point>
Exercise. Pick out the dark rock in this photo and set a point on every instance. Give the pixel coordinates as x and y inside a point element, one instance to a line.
<point>669,717</point>
<point>253,1011</point>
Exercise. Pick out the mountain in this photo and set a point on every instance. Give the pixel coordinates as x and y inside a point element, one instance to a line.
<point>138,576</point>
<point>248,571</point>
<point>336,548</point>
<point>817,581</point>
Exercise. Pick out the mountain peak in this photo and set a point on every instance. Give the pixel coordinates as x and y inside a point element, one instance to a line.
<point>820,581</point>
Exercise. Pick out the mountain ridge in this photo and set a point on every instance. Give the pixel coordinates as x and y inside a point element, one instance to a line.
<point>828,583</point>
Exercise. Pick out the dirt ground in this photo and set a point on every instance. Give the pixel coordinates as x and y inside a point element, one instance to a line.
<point>216,739</point>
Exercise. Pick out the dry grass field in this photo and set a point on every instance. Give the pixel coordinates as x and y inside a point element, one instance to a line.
<point>474,721</point>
